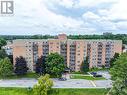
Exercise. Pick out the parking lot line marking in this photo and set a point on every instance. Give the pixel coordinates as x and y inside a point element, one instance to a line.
<point>92,82</point>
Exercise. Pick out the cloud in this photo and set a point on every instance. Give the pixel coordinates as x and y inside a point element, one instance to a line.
<point>90,16</point>
<point>118,10</point>
<point>66,16</point>
<point>99,22</point>
<point>93,3</point>
<point>122,25</point>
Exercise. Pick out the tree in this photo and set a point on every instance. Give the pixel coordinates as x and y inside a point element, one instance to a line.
<point>55,64</point>
<point>85,66</point>
<point>2,54</point>
<point>43,86</point>
<point>115,57</point>
<point>6,68</point>
<point>11,58</point>
<point>2,51</point>
<point>40,65</point>
<point>119,88</point>
<point>2,42</point>
<point>103,66</point>
<point>20,66</point>
<point>119,76</point>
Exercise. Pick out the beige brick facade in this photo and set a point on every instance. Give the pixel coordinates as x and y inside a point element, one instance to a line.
<point>74,52</point>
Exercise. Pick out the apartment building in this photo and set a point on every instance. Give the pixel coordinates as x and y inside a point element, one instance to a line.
<point>99,52</point>
<point>8,48</point>
<point>125,48</point>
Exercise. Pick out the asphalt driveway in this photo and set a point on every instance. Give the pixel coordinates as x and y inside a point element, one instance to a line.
<point>71,83</point>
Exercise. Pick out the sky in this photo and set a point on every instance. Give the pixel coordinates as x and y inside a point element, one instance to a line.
<point>54,17</point>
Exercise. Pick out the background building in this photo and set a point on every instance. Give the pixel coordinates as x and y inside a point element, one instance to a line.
<point>8,48</point>
<point>99,52</point>
<point>125,48</point>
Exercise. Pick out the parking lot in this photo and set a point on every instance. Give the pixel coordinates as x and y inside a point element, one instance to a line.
<point>105,74</point>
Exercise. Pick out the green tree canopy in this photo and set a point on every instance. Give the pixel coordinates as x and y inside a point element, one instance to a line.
<point>40,65</point>
<point>85,66</point>
<point>43,86</point>
<point>2,42</point>
<point>55,64</point>
<point>115,57</point>
<point>119,70</point>
<point>2,54</point>
<point>122,37</point>
<point>119,75</point>
<point>20,66</point>
<point>6,67</point>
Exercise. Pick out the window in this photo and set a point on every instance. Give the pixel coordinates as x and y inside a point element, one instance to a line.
<point>78,61</point>
<point>79,54</point>
<point>78,50</point>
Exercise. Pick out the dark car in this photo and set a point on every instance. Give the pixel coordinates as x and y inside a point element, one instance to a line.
<point>97,75</point>
<point>62,79</point>
<point>93,73</point>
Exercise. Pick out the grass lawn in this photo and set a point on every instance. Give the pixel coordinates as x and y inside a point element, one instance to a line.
<point>80,92</point>
<point>14,91</point>
<point>86,77</point>
<point>23,91</point>
<point>28,75</point>
<point>78,73</point>
<point>97,69</point>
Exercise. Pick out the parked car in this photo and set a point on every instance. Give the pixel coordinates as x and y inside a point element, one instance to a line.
<point>97,75</point>
<point>93,73</point>
<point>62,79</point>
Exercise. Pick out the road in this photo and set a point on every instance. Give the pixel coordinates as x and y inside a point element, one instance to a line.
<point>71,83</point>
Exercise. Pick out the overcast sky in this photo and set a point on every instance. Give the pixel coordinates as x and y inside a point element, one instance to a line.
<point>65,16</point>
